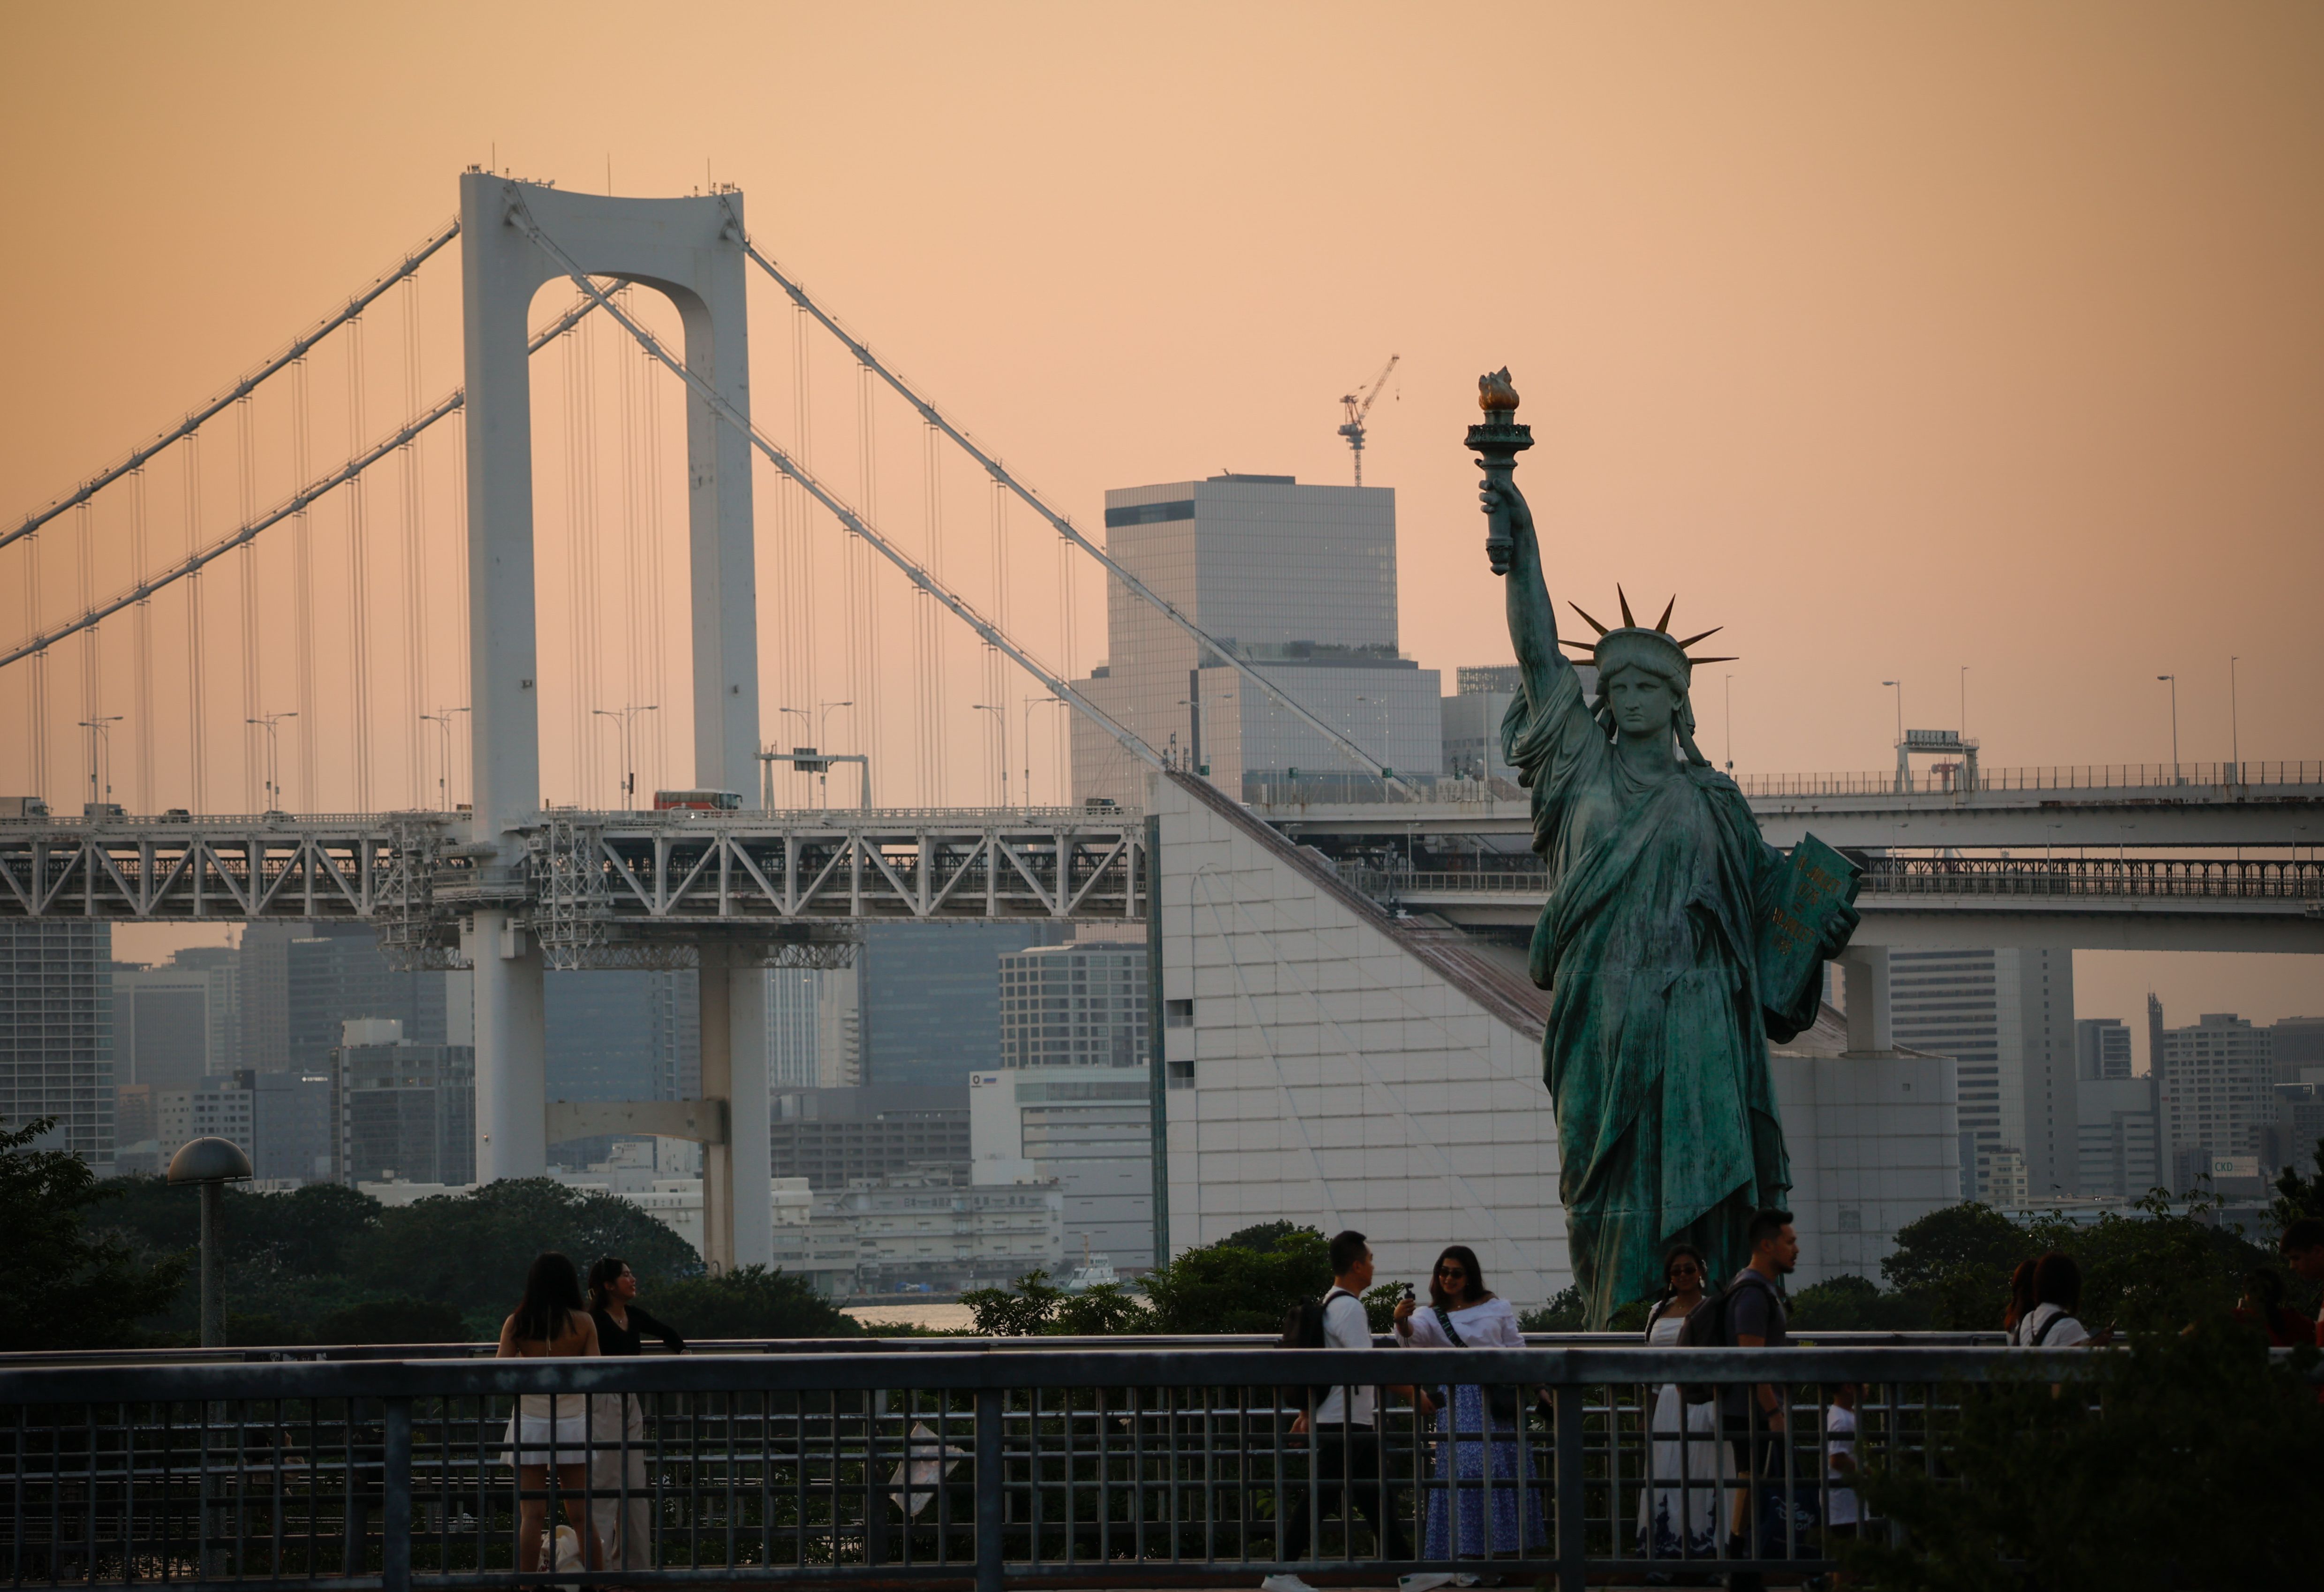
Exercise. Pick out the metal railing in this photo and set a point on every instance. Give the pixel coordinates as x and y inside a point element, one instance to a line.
<point>2210,779</point>
<point>1181,1466</point>
<point>2092,878</point>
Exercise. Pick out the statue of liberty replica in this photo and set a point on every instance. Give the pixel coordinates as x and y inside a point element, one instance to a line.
<point>1675,942</point>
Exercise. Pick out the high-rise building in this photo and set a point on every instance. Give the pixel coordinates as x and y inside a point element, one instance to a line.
<point>1087,1129</point>
<point>794,996</point>
<point>404,1111</point>
<point>2006,1017</point>
<point>2120,1141</point>
<point>833,1137</point>
<point>1299,581</point>
<point>2296,1045</point>
<point>1080,1005</point>
<point>179,1021</point>
<point>2101,1048</point>
<point>56,1032</point>
<point>928,997</point>
<point>624,1035</point>
<point>2216,1083</point>
<point>302,981</point>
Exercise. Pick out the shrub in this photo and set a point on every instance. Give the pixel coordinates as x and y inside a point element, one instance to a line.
<point>750,1301</point>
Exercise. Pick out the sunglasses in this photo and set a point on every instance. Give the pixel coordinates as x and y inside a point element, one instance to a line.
<point>1452,1272</point>
<point>1686,1269</point>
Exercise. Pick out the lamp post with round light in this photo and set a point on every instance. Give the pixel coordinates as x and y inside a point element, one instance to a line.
<point>209,1164</point>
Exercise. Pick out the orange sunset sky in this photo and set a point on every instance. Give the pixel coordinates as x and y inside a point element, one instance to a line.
<point>1895,338</point>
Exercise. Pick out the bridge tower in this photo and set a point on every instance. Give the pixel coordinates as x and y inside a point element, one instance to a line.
<point>690,250</point>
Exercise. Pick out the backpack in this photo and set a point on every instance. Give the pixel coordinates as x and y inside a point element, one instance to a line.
<point>1707,1328</point>
<point>1303,1328</point>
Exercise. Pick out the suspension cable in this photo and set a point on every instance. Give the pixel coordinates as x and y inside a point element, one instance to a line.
<point>295,504</point>
<point>290,352</point>
<point>1065,527</point>
<point>521,217</point>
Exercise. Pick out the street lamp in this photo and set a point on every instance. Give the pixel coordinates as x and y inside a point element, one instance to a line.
<point>1051,700</point>
<point>209,1164</point>
<point>626,718</point>
<point>442,720</point>
<point>267,721</point>
<point>1730,724</point>
<point>1901,765</point>
<point>2234,722</point>
<point>1000,711</point>
<point>100,729</point>
<point>2175,725</point>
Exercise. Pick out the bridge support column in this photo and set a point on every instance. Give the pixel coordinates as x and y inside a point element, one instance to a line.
<point>737,1219</point>
<point>511,1049</point>
<point>1865,970</point>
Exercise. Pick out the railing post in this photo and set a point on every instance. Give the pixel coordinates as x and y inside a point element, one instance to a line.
<point>395,1499</point>
<point>1572,1534</point>
<point>990,1510</point>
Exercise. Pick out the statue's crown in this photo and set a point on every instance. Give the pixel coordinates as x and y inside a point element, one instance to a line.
<point>1630,637</point>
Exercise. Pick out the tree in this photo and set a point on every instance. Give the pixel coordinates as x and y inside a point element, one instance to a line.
<point>472,1250</point>
<point>75,1289</point>
<point>2297,1197</point>
<point>2187,1461</point>
<point>392,1321</point>
<point>1227,1288</point>
<point>1958,1261</point>
<point>750,1301</point>
<point>1566,1313</point>
<point>1023,1309</point>
<point>1102,1310</point>
<point>1850,1304</point>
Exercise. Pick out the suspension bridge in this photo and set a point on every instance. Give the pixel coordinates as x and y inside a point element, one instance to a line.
<point>433,569</point>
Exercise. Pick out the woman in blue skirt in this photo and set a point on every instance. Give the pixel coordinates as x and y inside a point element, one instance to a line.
<point>1481,1457</point>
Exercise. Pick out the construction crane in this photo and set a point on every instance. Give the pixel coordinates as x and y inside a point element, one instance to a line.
<point>1359,405</point>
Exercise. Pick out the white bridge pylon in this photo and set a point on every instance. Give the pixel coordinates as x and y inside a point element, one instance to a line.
<point>690,251</point>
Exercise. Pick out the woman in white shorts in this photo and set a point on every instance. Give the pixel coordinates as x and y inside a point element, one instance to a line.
<point>551,1430</point>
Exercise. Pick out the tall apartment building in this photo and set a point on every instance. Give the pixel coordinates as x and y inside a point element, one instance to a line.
<point>2101,1048</point>
<point>928,1006</point>
<point>178,1022</point>
<point>2121,1137</point>
<point>1088,1130</point>
<point>833,1137</point>
<point>302,981</point>
<point>56,1032</point>
<point>2007,1018</point>
<point>2216,1082</point>
<point>1299,581</point>
<point>623,1035</point>
<point>814,1037</point>
<point>404,1111</point>
<point>1080,1005</point>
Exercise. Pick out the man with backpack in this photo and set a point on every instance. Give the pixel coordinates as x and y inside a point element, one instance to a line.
<point>1751,1313</point>
<point>1344,1444</point>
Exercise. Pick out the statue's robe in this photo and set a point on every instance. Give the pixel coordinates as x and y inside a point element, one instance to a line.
<point>1656,1052</point>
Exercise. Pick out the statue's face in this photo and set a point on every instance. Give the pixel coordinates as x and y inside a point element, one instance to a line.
<point>1644,704</point>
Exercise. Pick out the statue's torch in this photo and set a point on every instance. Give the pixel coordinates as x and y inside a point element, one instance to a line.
<point>1497,441</point>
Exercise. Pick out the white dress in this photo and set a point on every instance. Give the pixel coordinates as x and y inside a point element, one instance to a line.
<point>1689,1469</point>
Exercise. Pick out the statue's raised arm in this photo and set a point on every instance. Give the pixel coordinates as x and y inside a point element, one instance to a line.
<point>1675,939</point>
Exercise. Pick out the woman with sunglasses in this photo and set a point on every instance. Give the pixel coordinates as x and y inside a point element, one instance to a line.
<point>1682,1466</point>
<point>1463,1313</point>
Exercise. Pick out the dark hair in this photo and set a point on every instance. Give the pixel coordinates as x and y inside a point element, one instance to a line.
<point>2303,1233</point>
<point>2021,1294</point>
<point>1472,1292</point>
<point>1347,1249</point>
<point>602,1275</point>
<point>1765,1223</point>
<point>2058,1281</point>
<point>552,1297</point>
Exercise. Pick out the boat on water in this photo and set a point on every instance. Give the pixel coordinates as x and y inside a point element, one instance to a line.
<point>1094,1270</point>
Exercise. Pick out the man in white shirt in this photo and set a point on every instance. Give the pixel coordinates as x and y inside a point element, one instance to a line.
<point>1348,1459</point>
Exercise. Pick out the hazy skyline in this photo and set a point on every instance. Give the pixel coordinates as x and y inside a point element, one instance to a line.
<point>1893,342</point>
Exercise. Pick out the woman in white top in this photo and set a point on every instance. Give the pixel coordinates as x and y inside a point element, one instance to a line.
<point>1684,1470</point>
<point>1464,1314</point>
<point>551,1430</point>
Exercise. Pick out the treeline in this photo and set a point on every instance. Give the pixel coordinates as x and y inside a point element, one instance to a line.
<point>116,1262</point>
